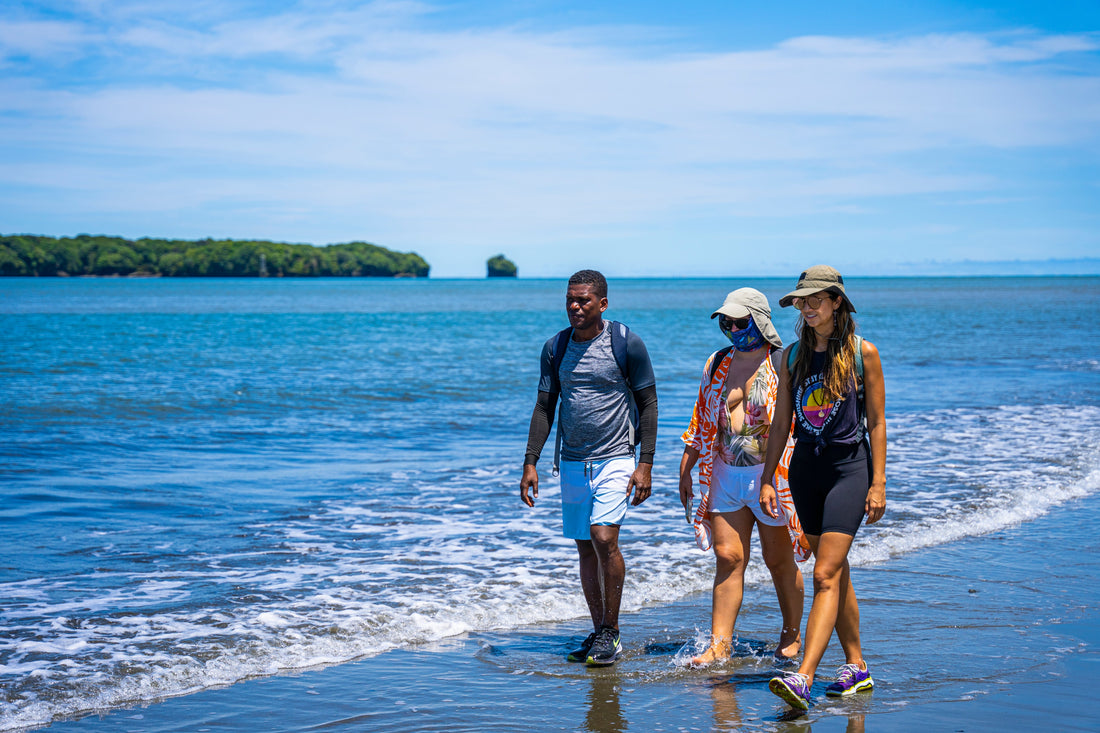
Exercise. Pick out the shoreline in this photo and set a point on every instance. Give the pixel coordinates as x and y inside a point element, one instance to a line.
<point>958,637</point>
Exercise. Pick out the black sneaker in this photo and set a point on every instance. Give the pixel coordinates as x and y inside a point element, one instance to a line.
<point>605,648</point>
<point>580,654</point>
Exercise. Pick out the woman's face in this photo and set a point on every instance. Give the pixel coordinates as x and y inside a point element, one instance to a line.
<point>818,309</point>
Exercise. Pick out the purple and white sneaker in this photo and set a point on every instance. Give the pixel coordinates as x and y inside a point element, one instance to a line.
<point>793,688</point>
<point>850,679</point>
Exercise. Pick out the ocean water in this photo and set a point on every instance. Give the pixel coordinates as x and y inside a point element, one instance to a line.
<point>207,481</point>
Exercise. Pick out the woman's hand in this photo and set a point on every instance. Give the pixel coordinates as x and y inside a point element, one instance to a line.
<point>876,502</point>
<point>769,500</point>
<point>687,463</point>
<point>686,492</point>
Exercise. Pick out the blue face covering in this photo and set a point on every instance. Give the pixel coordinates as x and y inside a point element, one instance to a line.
<point>747,339</point>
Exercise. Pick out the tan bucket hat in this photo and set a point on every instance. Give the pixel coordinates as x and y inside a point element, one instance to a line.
<point>814,280</point>
<point>751,302</point>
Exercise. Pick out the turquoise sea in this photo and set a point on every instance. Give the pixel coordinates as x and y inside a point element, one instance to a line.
<point>205,482</point>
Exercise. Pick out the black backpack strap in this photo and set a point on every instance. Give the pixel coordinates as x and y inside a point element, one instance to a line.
<point>557,353</point>
<point>619,335</point>
<point>717,362</point>
<point>777,360</point>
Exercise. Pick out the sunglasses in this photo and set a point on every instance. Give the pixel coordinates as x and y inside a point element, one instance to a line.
<point>813,301</point>
<point>733,324</point>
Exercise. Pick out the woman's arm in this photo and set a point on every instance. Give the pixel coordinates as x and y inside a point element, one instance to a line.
<point>693,437</point>
<point>777,440</point>
<point>687,463</point>
<point>874,395</point>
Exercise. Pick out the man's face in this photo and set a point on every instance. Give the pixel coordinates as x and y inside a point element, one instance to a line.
<point>584,307</point>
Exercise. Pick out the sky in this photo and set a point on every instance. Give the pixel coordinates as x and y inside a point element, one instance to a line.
<point>639,138</point>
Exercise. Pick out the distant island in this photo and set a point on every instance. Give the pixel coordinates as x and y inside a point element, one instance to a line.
<point>86,255</point>
<point>500,266</point>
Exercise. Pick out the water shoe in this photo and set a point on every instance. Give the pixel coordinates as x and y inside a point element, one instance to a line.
<point>849,679</point>
<point>606,647</point>
<point>580,654</point>
<point>793,688</point>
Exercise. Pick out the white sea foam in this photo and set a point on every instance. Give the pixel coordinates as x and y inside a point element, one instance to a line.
<point>989,472</point>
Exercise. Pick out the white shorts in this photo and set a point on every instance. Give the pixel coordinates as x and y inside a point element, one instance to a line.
<point>593,493</point>
<point>733,487</point>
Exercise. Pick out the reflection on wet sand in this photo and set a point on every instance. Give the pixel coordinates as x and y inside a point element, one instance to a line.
<point>723,696</point>
<point>604,714</point>
<point>855,721</point>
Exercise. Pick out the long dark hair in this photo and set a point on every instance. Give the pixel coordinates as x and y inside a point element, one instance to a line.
<point>839,374</point>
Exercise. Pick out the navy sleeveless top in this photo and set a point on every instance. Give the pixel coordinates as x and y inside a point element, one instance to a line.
<point>821,423</point>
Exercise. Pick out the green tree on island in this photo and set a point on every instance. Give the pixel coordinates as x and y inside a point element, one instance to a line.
<point>32,255</point>
<point>501,266</point>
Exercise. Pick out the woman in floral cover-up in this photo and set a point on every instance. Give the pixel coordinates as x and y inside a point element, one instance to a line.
<point>727,438</point>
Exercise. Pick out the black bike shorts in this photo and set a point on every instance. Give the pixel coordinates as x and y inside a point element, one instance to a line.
<point>830,489</point>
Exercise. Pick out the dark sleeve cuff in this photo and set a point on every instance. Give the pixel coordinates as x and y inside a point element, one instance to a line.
<point>646,400</point>
<point>542,417</point>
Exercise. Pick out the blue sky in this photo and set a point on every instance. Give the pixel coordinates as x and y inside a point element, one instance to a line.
<point>640,138</point>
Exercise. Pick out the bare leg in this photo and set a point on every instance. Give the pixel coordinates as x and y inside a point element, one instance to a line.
<point>731,533</point>
<point>847,621</point>
<point>775,545</point>
<point>831,554</point>
<point>590,581</point>
<point>612,571</point>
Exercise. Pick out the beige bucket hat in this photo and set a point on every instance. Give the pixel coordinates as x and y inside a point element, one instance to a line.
<point>751,302</point>
<point>814,280</point>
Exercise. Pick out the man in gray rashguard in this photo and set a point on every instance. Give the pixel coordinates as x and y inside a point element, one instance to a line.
<point>599,368</point>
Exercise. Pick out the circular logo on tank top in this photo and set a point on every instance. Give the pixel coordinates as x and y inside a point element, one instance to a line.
<point>812,405</point>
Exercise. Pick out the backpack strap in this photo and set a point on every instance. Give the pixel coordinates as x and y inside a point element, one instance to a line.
<point>860,397</point>
<point>859,360</point>
<point>619,335</point>
<point>557,353</point>
<point>716,362</point>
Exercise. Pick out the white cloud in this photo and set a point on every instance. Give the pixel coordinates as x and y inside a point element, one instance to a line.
<point>360,120</point>
<point>42,40</point>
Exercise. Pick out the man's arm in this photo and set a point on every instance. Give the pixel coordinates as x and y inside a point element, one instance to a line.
<point>646,400</point>
<point>642,481</point>
<point>542,417</point>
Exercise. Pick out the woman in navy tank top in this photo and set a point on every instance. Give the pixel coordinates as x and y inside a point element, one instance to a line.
<point>831,388</point>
